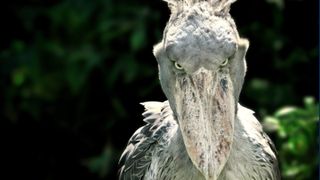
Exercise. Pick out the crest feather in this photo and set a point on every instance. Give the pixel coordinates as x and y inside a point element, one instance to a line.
<point>221,7</point>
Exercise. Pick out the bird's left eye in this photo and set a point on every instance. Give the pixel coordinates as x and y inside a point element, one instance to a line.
<point>225,62</point>
<point>178,66</point>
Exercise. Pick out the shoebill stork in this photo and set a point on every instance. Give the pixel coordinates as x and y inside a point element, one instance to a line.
<point>201,132</point>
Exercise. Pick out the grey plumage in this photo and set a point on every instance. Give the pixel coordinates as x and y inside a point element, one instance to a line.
<point>201,132</point>
<point>252,152</point>
<point>137,157</point>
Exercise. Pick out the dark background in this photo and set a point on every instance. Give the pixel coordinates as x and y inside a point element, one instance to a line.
<point>74,71</point>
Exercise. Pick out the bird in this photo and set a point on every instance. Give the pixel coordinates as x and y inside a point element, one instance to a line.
<point>200,132</point>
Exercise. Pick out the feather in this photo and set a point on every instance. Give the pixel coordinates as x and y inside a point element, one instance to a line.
<point>137,156</point>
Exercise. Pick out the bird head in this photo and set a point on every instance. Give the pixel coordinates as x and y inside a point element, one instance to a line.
<point>202,67</point>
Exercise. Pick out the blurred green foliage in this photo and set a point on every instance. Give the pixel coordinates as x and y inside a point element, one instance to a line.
<point>296,138</point>
<point>74,71</point>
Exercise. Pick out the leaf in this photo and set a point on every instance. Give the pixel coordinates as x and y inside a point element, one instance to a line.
<point>18,77</point>
<point>285,111</point>
<point>298,144</point>
<point>138,38</point>
<point>271,123</point>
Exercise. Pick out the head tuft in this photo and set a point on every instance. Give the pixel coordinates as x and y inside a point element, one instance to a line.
<point>221,7</point>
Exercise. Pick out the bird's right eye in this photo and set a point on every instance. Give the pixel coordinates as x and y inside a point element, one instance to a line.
<point>178,66</point>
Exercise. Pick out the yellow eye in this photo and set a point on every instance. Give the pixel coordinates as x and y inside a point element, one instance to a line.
<point>178,66</point>
<point>225,62</point>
